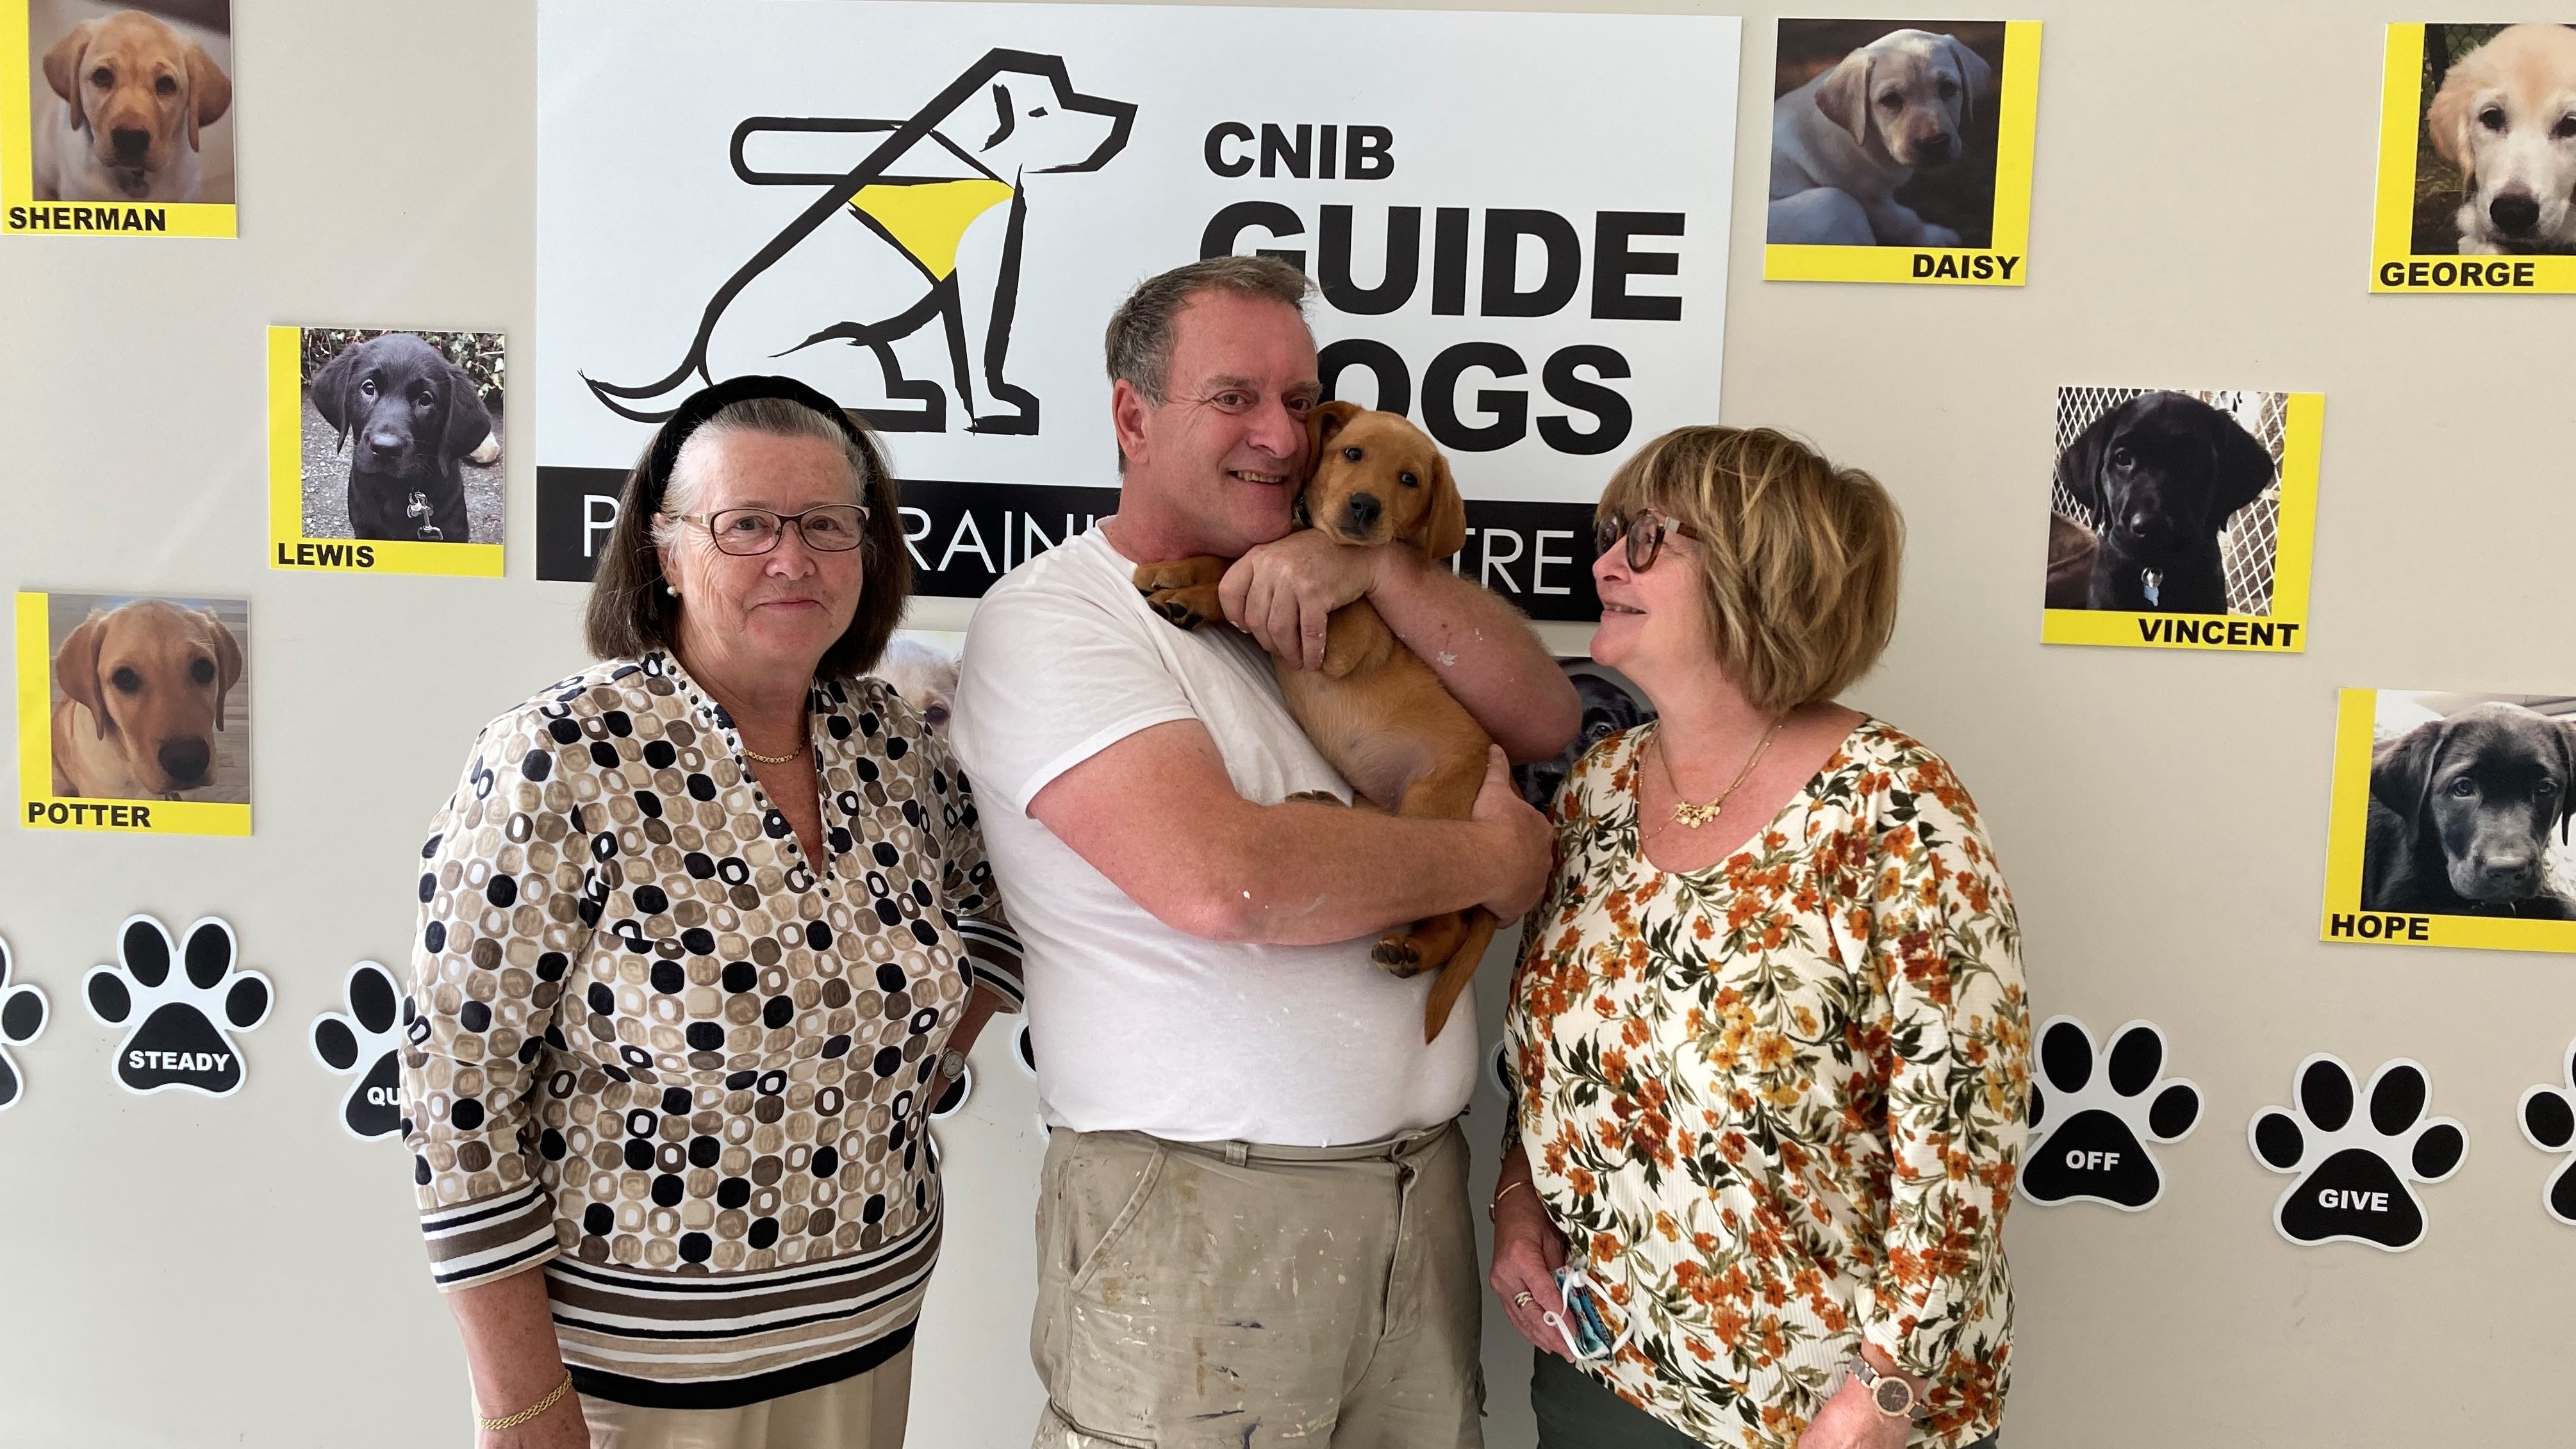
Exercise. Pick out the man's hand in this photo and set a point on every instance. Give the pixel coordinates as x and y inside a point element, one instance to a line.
<point>1526,850</point>
<point>1283,593</point>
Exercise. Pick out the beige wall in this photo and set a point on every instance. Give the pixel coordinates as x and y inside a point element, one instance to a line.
<point>184,1272</point>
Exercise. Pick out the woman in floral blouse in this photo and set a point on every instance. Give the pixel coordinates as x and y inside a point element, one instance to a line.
<point>1768,1028</point>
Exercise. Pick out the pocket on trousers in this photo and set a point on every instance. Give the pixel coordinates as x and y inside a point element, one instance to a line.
<point>1097,1214</point>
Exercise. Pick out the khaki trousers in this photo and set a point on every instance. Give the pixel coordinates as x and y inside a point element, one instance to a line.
<point>1207,1294</point>
<point>864,1411</point>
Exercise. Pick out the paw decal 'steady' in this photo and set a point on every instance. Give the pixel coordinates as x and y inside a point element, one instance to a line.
<point>179,1026</point>
<point>2548,1118</point>
<point>22,1020</point>
<point>2354,1171</point>
<point>2093,1114</point>
<point>369,1039</point>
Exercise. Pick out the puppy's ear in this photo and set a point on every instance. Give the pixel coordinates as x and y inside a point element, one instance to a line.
<point>2567,780</point>
<point>1329,418</point>
<point>2079,468</point>
<point>2244,470</point>
<point>468,422</point>
<point>76,668</point>
<point>63,68</point>
<point>1444,523</point>
<point>228,660</point>
<point>2446,125</point>
<point>335,392</point>
<point>210,92</point>
<point>1844,97</point>
<point>2401,771</point>
<point>1976,78</point>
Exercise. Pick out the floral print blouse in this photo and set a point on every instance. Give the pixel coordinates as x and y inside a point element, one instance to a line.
<point>1776,1104</point>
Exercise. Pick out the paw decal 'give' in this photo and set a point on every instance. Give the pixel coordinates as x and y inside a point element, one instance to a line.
<point>369,1039</point>
<point>2092,1116</point>
<point>2354,1171</point>
<point>2548,1117</point>
<point>22,1020</point>
<point>180,1026</point>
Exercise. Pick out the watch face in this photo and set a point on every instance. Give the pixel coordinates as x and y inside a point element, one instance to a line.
<point>1894,1397</point>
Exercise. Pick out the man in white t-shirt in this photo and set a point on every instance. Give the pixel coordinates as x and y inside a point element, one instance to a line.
<point>1252,1222</point>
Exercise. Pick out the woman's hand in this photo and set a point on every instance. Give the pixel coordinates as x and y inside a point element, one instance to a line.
<point>1849,1420</point>
<point>560,1427</point>
<point>1527,1252</point>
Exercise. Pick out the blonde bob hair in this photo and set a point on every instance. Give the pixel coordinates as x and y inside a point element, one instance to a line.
<point>1797,558</point>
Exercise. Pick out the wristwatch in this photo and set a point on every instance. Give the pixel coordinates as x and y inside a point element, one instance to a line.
<point>952,1065</point>
<point>1890,1395</point>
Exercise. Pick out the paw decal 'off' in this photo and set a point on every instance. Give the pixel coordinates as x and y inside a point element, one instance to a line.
<point>22,1020</point>
<point>2548,1118</point>
<point>2093,1114</point>
<point>2354,1171</point>
<point>179,1027</point>
<point>369,1039</point>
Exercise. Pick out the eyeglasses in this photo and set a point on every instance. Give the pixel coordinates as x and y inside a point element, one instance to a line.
<point>1645,533</point>
<point>829,528</point>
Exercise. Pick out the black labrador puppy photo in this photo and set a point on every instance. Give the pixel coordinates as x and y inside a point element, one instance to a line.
<point>2161,474</point>
<point>410,417</point>
<point>2461,814</point>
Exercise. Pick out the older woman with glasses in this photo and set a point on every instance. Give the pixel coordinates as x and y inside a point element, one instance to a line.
<point>1768,1032</point>
<point>706,929</point>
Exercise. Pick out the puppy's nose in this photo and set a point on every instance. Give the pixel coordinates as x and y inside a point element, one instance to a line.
<point>2139,526</point>
<point>384,442</point>
<point>1935,149</point>
<point>2514,211</point>
<point>184,761</point>
<point>130,143</point>
<point>1362,510</point>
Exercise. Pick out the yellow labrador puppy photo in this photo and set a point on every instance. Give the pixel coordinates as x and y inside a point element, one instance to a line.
<point>1883,134</point>
<point>147,698</point>
<point>131,105</point>
<point>2497,163</point>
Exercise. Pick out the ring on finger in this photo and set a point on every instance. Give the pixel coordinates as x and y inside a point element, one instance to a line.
<point>1523,1299</point>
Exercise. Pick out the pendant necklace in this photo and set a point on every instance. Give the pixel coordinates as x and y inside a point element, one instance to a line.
<point>1692,817</point>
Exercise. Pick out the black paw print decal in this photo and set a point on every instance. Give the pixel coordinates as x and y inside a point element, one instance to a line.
<point>2548,1118</point>
<point>2354,1171</point>
<point>2092,1116</point>
<point>22,1020</point>
<point>368,1038</point>
<point>181,1026</point>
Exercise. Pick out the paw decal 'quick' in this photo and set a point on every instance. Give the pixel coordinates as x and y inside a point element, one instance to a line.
<point>2548,1118</point>
<point>22,1020</point>
<point>2093,1114</point>
<point>369,1038</point>
<point>2354,1171</point>
<point>179,1026</point>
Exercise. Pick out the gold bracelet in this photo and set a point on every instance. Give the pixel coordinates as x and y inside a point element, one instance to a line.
<point>512,1421</point>
<point>1496,1206</point>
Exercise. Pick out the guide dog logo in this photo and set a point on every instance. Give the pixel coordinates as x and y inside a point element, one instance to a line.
<point>921,190</point>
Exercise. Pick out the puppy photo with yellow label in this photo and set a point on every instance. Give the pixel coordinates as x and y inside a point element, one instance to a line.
<point>1901,151</point>
<point>2477,160</point>
<point>116,118</point>
<point>134,713</point>
<point>2452,820</point>
<point>385,450</point>
<point>2182,519</point>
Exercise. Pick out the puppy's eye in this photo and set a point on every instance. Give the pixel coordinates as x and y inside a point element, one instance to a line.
<point>2123,459</point>
<point>1892,101</point>
<point>165,86</point>
<point>2492,118</point>
<point>1949,88</point>
<point>935,716</point>
<point>126,681</point>
<point>1408,480</point>
<point>2462,788</point>
<point>102,78</point>
<point>2545,789</point>
<point>1353,454</point>
<point>203,671</point>
<point>2565,128</point>
<point>423,397</point>
<point>367,388</point>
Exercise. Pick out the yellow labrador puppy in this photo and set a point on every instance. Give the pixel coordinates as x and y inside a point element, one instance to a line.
<point>1844,142</point>
<point>2506,116</point>
<point>135,96</point>
<point>144,687</point>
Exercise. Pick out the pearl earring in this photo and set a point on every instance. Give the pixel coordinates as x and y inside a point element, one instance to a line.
<point>672,589</point>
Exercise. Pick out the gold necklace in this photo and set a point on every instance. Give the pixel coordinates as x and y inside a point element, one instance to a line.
<point>1692,817</point>
<point>773,759</point>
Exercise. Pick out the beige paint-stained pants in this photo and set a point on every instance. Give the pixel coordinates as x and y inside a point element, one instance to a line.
<point>1227,1294</point>
<point>864,1411</point>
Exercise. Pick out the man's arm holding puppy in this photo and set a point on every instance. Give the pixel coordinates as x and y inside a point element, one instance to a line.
<point>1481,648</point>
<point>1157,814</point>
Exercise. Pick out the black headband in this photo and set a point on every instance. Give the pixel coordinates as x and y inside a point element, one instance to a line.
<point>708,401</point>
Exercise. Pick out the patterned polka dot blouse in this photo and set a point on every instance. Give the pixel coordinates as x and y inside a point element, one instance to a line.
<point>661,1053</point>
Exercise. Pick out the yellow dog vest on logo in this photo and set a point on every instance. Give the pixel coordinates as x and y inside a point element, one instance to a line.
<point>929,218</point>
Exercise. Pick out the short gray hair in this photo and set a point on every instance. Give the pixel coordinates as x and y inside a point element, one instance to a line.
<point>1140,331</point>
<point>777,417</point>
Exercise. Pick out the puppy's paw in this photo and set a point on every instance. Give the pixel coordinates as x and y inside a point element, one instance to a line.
<point>1313,797</point>
<point>1939,236</point>
<point>1180,573</point>
<point>1396,956</point>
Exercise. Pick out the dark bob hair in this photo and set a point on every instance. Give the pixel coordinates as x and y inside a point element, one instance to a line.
<point>631,612</point>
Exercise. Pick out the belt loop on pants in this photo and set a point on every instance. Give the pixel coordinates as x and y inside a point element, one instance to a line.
<point>1238,1153</point>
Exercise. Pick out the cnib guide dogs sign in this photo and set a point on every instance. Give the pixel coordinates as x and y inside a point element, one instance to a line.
<point>1517,225</point>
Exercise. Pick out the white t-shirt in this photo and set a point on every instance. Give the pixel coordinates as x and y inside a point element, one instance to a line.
<point>1136,1026</point>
